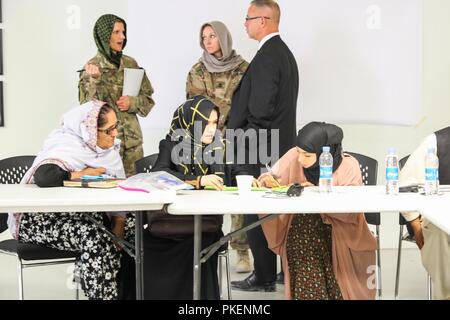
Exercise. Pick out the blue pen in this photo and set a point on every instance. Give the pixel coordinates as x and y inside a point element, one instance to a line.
<point>92,178</point>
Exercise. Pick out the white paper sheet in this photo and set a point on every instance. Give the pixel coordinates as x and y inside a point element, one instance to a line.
<point>132,82</point>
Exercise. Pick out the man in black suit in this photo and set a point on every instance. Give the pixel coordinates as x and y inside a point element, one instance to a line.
<point>266,99</point>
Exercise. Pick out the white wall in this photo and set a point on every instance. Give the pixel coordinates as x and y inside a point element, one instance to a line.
<point>43,48</point>
<point>41,56</point>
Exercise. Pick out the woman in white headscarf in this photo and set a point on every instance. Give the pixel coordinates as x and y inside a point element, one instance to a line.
<point>86,144</point>
<point>216,76</point>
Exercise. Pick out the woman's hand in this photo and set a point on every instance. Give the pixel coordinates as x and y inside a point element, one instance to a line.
<point>118,228</point>
<point>256,183</point>
<point>416,225</point>
<point>92,70</point>
<point>212,180</point>
<point>124,103</point>
<point>87,172</point>
<point>267,180</point>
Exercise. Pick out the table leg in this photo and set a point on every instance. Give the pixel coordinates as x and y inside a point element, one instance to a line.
<point>197,264</point>
<point>139,229</point>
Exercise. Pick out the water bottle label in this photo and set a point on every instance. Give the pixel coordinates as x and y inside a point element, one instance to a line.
<point>326,172</point>
<point>431,174</point>
<point>391,174</point>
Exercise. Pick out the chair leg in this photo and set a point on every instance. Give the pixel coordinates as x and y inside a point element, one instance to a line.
<point>227,268</point>
<point>379,283</point>
<point>76,280</point>
<point>220,275</point>
<point>20,269</point>
<point>399,256</point>
<point>430,288</point>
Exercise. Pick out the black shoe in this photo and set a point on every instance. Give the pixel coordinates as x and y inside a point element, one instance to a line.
<point>280,278</point>
<point>251,284</point>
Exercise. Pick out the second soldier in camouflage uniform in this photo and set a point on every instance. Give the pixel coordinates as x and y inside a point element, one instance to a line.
<point>216,76</point>
<point>102,79</point>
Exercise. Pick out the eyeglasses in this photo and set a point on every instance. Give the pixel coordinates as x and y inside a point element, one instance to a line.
<point>110,129</point>
<point>258,17</point>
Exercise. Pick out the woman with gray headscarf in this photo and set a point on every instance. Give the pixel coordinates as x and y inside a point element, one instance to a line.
<point>216,75</point>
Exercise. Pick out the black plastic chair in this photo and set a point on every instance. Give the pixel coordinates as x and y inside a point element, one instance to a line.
<point>369,171</point>
<point>408,236</point>
<point>12,171</point>
<point>146,164</point>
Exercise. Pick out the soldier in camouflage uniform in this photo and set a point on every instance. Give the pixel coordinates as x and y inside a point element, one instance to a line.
<point>216,76</point>
<point>102,79</point>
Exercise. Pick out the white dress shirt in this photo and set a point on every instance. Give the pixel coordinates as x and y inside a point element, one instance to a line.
<point>267,38</point>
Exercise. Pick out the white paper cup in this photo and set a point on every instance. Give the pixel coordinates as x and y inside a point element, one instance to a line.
<point>244,183</point>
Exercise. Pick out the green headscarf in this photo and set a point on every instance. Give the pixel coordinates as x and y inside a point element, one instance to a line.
<point>102,34</point>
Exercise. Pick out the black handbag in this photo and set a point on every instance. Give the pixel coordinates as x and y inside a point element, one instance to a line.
<point>164,225</point>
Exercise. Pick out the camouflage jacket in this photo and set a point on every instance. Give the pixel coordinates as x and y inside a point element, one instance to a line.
<point>218,87</point>
<point>109,87</point>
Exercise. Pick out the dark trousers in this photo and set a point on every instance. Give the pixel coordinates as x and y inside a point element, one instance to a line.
<point>264,260</point>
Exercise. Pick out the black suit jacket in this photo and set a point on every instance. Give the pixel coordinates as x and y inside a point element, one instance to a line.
<point>267,99</point>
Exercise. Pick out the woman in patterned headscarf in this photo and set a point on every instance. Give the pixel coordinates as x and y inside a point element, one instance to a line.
<point>102,79</point>
<point>188,152</point>
<point>325,256</point>
<point>85,144</point>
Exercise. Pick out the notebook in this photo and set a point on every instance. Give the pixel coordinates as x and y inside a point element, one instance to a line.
<point>95,183</point>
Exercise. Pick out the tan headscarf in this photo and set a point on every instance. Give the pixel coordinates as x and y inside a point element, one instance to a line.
<point>230,60</point>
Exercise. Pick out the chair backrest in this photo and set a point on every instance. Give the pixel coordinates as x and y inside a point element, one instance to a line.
<point>146,164</point>
<point>369,168</point>
<point>369,171</point>
<point>12,171</point>
<point>402,161</point>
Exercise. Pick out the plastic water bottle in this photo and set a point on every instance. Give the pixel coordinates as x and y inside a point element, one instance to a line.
<point>326,170</point>
<point>431,172</point>
<point>392,172</point>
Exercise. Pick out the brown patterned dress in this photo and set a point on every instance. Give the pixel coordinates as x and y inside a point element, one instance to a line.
<point>309,258</point>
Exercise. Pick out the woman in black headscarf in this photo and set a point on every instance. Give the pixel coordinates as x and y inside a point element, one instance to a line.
<point>311,139</point>
<point>324,256</point>
<point>193,152</point>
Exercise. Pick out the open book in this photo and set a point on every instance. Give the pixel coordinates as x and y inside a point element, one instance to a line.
<point>86,183</point>
<point>160,180</point>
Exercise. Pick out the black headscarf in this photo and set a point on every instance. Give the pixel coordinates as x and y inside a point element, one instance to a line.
<point>102,34</point>
<point>315,135</point>
<point>183,130</point>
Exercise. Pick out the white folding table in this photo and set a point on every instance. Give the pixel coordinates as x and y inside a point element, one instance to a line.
<point>30,198</point>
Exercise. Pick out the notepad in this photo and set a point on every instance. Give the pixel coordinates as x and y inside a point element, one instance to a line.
<point>280,189</point>
<point>92,183</point>
<point>132,82</point>
<point>226,188</point>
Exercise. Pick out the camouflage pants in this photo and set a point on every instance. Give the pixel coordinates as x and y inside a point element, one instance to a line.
<point>239,242</point>
<point>129,157</point>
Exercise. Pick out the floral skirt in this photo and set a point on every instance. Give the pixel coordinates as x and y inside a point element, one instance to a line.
<point>99,260</point>
<point>309,259</point>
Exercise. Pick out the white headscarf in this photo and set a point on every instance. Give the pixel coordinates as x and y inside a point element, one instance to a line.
<point>73,147</point>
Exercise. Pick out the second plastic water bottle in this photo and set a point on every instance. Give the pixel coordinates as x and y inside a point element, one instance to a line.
<point>326,170</point>
<point>392,172</point>
<point>431,172</point>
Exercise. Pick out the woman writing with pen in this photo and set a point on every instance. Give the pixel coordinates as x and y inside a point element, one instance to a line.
<point>102,79</point>
<point>326,256</point>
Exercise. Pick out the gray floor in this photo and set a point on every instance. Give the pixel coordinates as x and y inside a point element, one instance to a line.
<point>54,282</point>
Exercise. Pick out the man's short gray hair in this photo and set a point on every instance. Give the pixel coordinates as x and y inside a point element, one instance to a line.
<point>270,4</point>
